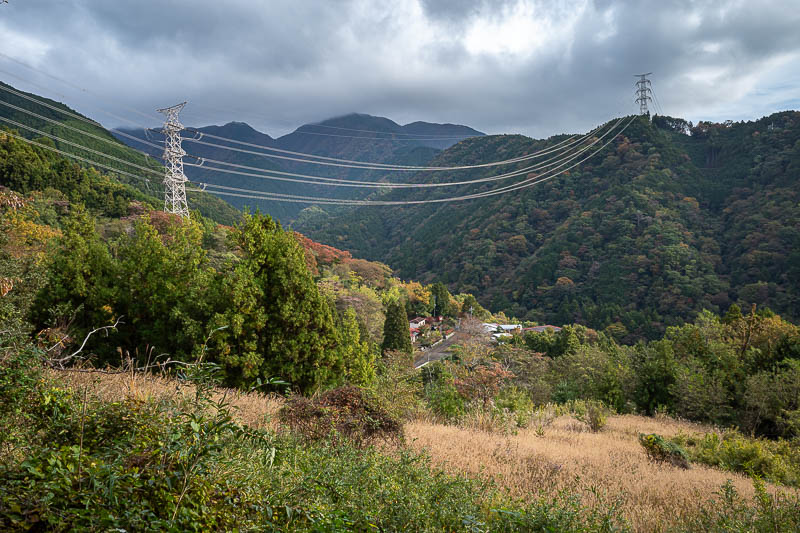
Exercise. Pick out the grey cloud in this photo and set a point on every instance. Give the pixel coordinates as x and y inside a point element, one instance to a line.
<point>278,64</point>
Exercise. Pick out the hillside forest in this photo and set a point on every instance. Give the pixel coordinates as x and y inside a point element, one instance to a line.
<point>670,220</point>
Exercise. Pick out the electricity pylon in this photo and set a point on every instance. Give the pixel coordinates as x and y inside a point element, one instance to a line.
<point>174,180</point>
<point>643,93</point>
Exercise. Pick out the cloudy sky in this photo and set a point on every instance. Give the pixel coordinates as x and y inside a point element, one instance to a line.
<point>506,66</point>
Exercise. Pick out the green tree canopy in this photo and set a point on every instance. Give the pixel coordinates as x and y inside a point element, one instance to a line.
<point>440,300</point>
<point>395,330</point>
<point>277,322</point>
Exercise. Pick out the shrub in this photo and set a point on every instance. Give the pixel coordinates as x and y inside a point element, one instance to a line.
<point>732,512</point>
<point>777,461</point>
<point>441,395</point>
<point>592,413</point>
<point>346,412</point>
<point>518,402</point>
<point>661,450</point>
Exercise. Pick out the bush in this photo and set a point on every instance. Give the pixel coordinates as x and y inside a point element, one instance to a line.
<point>343,413</point>
<point>518,402</point>
<point>441,395</point>
<point>661,450</point>
<point>592,413</point>
<point>777,461</point>
<point>732,512</point>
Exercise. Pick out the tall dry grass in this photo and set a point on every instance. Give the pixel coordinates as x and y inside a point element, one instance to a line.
<point>555,453</point>
<point>256,410</point>
<point>566,456</point>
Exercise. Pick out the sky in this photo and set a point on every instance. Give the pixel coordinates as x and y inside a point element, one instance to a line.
<point>506,66</point>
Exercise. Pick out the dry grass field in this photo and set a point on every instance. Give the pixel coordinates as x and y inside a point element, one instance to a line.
<point>609,465</point>
<point>256,410</point>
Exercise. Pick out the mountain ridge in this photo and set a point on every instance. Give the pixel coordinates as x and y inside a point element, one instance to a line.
<point>339,143</point>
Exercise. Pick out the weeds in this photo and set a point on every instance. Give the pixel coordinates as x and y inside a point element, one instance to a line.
<point>777,461</point>
<point>660,450</point>
<point>591,412</point>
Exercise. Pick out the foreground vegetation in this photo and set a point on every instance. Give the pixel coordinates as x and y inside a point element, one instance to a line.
<point>99,451</point>
<point>73,461</point>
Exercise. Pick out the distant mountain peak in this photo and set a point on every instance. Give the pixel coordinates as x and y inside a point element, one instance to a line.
<point>241,131</point>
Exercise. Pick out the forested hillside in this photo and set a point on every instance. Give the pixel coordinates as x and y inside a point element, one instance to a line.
<point>83,137</point>
<point>663,223</point>
<point>357,137</point>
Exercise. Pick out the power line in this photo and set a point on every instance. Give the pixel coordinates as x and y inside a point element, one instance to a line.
<point>79,146</point>
<point>60,124</point>
<point>383,139</point>
<point>267,174</point>
<point>74,86</point>
<point>658,104</point>
<point>358,164</point>
<point>300,199</point>
<point>74,156</point>
<point>361,165</point>
<point>389,132</point>
<point>258,195</point>
<point>72,115</point>
<point>339,182</point>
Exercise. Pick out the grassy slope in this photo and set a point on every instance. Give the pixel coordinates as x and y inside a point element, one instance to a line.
<point>606,468</point>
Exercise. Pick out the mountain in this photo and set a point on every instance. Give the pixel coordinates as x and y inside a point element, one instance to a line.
<point>357,137</point>
<point>668,220</point>
<point>56,119</point>
<point>369,138</point>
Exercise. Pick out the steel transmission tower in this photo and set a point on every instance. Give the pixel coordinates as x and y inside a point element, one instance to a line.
<point>643,93</point>
<point>174,180</point>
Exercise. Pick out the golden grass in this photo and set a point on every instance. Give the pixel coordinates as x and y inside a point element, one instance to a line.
<point>256,410</point>
<point>565,457</point>
<point>653,496</point>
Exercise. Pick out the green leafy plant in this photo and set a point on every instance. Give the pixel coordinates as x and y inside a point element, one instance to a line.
<point>661,450</point>
<point>592,413</point>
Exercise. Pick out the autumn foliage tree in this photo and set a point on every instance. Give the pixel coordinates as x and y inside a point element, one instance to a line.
<point>482,382</point>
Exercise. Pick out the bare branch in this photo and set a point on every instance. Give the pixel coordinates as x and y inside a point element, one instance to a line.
<point>62,360</point>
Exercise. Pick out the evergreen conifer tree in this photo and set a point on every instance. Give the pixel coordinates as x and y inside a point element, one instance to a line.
<point>359,360</point>
<point>79,285</point>
<point>277,322</point>
<point>395,330</point>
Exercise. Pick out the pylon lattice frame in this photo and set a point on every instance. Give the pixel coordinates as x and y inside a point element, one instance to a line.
<point>643,93</point>
<point>174,179</point>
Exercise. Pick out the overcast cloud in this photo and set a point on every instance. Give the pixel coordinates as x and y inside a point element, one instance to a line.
<point>508,66</point>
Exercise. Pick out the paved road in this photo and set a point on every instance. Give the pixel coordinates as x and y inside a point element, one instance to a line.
<point>439,351</point>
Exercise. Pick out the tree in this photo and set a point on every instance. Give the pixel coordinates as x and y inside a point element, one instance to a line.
<point>471,307</point>
<point>162,286</point>
<point>277,322</point>
<point>396,335</point>
<point>359,361</point>
<point>440,300</point>
<point>78,290</point>
<point>655,367</point>
<point>482,382</point>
